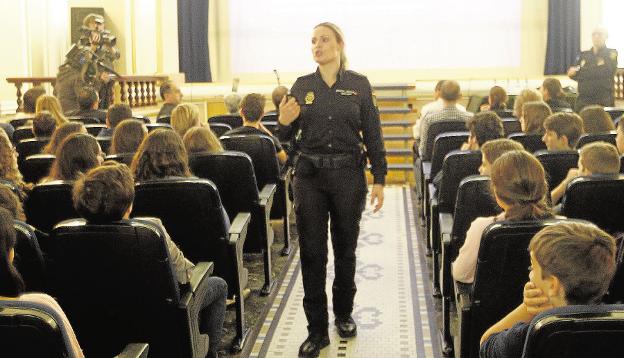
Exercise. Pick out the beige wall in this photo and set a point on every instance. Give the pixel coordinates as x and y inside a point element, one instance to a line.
<point>35,35</point>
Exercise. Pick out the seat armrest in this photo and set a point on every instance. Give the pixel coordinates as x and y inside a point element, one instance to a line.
<point>446,224</point>
<point>199,274</point>
<point>446,274</point>
<point>238,229</point>
<point>201,271</point>
<point>426,169</point>
<point>464,299</point>
<point>285,174</point>
<point>134,350</point>
<point>266,195</point>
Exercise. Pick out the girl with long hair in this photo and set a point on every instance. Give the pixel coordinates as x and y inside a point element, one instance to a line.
<point>520,189</point>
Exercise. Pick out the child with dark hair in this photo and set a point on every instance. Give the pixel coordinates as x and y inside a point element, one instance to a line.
<point>104,195</point>
<point>44,125</point>
<point>571,264</point>
<point>562,131</point>
<point>252,110</point>
<point>127,136</point>
<point>483,127</point>
<point>77,154</point>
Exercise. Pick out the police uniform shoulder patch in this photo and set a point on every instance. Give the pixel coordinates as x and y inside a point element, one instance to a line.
<point>613,55</point>
<point>309,98</point>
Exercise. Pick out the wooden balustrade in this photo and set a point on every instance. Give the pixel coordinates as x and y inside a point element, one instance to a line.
<point>137,91</point>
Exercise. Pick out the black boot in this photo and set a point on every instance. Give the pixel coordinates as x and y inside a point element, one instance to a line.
<point>312,346</point>
<point>346,327</point>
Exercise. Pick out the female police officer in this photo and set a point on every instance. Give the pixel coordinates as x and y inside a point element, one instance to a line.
<point>330,109</point>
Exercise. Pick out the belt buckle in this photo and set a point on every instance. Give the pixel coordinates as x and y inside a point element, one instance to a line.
<point>326,162</point>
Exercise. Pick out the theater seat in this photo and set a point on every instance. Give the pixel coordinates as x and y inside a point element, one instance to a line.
<point>233,174</point>
<point>192,213</point>
<point>499,279</point>
<point>33,330</point>
<point>261,150</point>
<point>125,158</point>
<point>19,122</point>
<point>105,143</point>
<point>116,284</point>
<point>94,129</point>
<point>36,167</point>
<point>28,257</point>
<point>164,120</point>
<point>219,129</point>
<point>557,164</point>
<point>153,126</point>
<point>48,204</point>
<point>577,331</point>
<point>457,165</point>
<point>29,147</point>
<point>511,125</point>
<point>596,198</point>
<point>474,199</point>
<point>231,120</point>
<point>608,137</point>
<point>83,119</point>
<point>21,133</point>
<point>531,142</point>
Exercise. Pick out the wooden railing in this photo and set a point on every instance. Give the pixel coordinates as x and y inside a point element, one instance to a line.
<point>619,83</point>
<point>137,91</point>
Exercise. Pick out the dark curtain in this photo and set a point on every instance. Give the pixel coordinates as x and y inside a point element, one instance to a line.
<point>564,29</point>
<point>193,40</point>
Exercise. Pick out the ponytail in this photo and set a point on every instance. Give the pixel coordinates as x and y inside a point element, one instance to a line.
<point>11,282</point>
<point>529,211</point>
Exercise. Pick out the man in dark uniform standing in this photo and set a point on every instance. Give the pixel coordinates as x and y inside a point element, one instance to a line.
<point>595,72</point>
<point>335,125</point>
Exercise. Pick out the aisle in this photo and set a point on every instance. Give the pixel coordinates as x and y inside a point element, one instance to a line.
<point>392,309</point>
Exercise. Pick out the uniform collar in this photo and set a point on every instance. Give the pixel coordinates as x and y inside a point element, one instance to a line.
<point>339,75</point>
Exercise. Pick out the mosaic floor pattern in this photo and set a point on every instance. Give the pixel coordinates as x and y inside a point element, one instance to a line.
<point>392,307</point>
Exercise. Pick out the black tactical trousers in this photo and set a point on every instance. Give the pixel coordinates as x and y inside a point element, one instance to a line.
<point>337,195</point>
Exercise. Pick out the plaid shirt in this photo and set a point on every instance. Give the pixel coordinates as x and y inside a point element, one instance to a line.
<point>446,114</point>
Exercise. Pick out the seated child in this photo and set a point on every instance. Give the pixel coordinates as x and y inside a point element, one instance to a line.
<point>105,194</point>
<point>252,110</point>
<point>520,188</point>
<point>571,264</point>
<point>597,158</point>
<point>562,131</point>
<point>484,126</point>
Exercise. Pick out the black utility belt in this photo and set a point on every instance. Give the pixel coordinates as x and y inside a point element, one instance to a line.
<point>332,161</point>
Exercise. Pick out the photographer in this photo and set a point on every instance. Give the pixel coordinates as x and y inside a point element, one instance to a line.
<point>102,43</point>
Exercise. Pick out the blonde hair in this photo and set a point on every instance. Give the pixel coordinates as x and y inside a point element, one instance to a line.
<point>600,158</point>
<point>526,95</point>
<point>340,39</point>
<point>184,117</point>
<point>493,149</point>
<point>201,139</point>
<point>51,104</point>
<point>8,161</point>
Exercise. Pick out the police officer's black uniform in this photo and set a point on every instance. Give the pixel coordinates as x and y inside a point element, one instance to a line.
<point>329,182</point>
<point>595,77</point>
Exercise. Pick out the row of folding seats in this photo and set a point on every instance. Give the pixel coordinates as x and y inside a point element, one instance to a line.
<point>461,198</point>
<point>184,206</point>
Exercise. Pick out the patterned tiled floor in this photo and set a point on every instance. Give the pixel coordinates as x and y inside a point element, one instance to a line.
<point>391,306</point>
